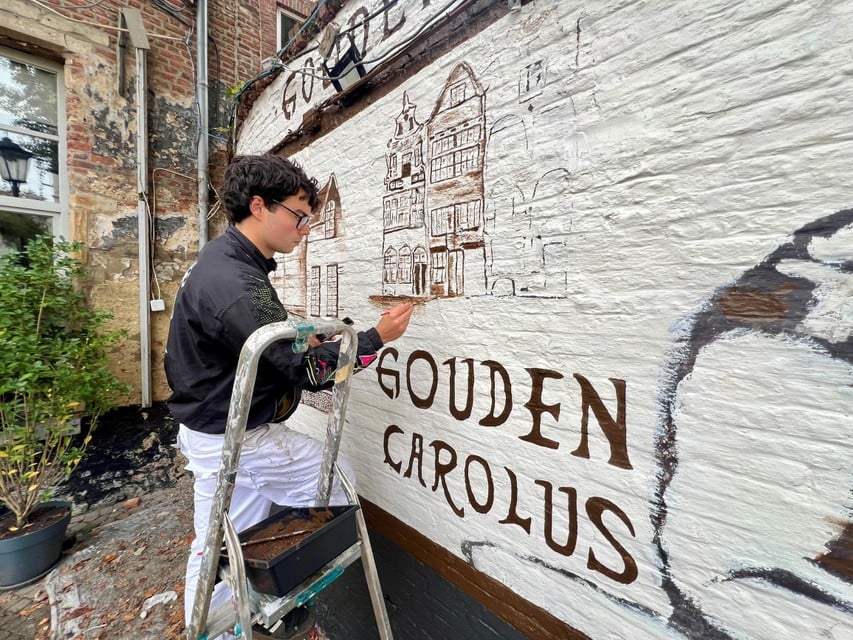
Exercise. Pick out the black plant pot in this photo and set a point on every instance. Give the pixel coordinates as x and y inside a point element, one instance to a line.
<point>26,558</point>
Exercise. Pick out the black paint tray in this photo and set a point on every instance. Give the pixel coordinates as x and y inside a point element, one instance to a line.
<point>277,577</point>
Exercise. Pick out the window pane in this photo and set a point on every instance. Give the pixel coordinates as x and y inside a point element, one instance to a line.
<point>16,229</point>
<point>286,23</point>
<point>42,178</point>
<point>27,97</point>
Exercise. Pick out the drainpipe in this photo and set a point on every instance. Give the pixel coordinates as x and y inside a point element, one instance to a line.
<point>143,226</point>
<point>203,124</point>
<point>132,19</point>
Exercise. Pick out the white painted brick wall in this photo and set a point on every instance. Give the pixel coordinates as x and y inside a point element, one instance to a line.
<point>683,145</point>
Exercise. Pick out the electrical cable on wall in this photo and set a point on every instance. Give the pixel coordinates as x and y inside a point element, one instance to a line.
<point>150,240</point>
<point>385,55</point>
<point>96,24</point>
<point>82,6</point>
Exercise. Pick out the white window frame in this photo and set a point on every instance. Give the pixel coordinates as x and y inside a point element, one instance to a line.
<point>281,38</point>
<point>57,211</point>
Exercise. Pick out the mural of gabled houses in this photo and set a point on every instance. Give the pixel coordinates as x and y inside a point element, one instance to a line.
<point>456,140</point>
<point>325,253</point>
<point>404,240</point>
<point>436,168</point>
<point>307,279</point>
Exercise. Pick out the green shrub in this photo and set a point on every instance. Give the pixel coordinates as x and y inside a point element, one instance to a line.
<point>53,371</point>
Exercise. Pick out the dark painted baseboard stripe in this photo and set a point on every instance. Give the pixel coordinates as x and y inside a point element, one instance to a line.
<point>517,612</point>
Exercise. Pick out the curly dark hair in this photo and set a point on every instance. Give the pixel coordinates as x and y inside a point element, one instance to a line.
<point>271,177</point>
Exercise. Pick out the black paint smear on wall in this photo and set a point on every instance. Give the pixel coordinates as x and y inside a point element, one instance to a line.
<point>769,301</point>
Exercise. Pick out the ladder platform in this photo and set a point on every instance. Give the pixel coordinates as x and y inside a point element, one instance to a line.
<point>270,609</point>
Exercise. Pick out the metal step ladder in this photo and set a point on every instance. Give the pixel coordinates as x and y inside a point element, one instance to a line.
<point>249,607</point>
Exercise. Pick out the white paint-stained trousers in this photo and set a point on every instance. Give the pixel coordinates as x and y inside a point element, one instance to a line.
<point>277,465</point>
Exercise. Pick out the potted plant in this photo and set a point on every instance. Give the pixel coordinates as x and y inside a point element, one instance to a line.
<point>55,383</point>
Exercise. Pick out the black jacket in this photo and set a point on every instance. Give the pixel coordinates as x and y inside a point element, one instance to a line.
<point>224,297</point>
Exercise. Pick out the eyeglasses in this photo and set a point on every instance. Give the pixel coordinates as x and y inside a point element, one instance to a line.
<point>301,218</point>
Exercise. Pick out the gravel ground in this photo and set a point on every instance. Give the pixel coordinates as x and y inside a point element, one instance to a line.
<point>123,554</point>
<point>131,527</point>
<point>125,579</point>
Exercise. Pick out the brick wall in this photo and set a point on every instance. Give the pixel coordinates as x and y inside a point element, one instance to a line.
<point>269,20</point>
<point>101,141</point>
<point>622,407</point>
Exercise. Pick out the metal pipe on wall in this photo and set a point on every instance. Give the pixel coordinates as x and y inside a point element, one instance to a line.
<point>203,120</point>
<point>132,20</point>
<point>143,226</point>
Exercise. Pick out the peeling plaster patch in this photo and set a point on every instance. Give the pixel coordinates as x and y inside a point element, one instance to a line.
<point>164,228</point>
<point>113,126</point>
<point>123,229</point>
<point>173,142</point>
<point>109,266</point>
<point>170,271</point>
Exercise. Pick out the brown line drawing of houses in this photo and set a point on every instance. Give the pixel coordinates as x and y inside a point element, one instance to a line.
<point>441,236</point>
<point>308,280</point>
<point>433,225</point>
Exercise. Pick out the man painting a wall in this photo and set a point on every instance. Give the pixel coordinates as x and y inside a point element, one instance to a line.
<point>223,299</point>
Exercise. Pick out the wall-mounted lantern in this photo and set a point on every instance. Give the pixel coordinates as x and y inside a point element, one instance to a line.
<point>14,164</point>
<point>348,69</point>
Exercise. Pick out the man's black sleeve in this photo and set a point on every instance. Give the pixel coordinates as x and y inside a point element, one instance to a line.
<point>313,369</point>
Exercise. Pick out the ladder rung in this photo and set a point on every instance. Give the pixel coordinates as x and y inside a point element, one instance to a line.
<point>271,609</point>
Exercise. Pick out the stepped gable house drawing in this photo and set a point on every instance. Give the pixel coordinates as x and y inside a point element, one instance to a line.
<point>433,237</point>
<point>307,280</point>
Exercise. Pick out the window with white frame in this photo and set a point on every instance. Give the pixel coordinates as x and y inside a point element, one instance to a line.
<point>286,22</point>
<point>33,192</point>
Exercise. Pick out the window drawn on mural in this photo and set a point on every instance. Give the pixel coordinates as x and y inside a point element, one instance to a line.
<point>329,219</point>
<point>433,225</point>
<point>531,80</point>
<point>332,291</point>
<point>314,291</point>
